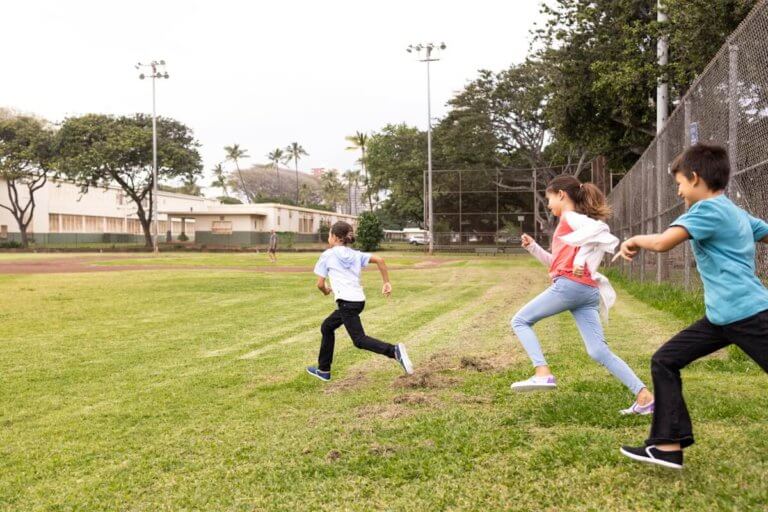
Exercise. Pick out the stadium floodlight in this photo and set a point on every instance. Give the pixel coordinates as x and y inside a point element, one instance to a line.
<point>428,49</point>
<point>156,73</point>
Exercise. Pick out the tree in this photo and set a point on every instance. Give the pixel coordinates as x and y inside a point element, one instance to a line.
<point>99,150</point>
<point>397,158</point>
<point>350,178</point>
<point>332,189</point>
<point>601,67</point>
<point>295,152</point>
<point>369,232</point>
<point>235,153</point>
<point>26,156</point>
<point>276,157</point>
<point>359,141</point>
<point>220,179</point>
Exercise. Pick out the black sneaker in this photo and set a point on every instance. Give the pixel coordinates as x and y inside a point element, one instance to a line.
<point>653,455</point>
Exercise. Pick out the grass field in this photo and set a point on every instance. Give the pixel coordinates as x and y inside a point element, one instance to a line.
<point>184,389</point>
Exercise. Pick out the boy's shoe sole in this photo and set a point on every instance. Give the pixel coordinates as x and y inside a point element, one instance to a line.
<point>404,360</point>
<point>525,388</point>
<point>317,376</point>
<point>650,460</point>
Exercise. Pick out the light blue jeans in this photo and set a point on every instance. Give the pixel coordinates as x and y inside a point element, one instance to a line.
<point>583,302</point>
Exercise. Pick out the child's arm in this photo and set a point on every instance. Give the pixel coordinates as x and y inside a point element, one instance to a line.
<point>659,242</point>
<point>530,245</point>
<point>322,286</point>
<point>759,229</point>
<point>379,261</point>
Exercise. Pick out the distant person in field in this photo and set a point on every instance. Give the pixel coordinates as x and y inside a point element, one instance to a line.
<point>578,245</point>
<point>723,238</point>
<point>272,247</point>
<point>343,265</point>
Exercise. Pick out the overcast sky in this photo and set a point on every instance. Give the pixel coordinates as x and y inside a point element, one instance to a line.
<point>261,74</point>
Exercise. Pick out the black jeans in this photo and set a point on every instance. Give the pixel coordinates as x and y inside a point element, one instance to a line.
<point>671,422</point>
<point>348,314</point>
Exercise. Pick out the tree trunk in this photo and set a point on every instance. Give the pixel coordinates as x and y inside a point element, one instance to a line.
<point>146,226</point>
<point>296,165</point>
<point>367,178</point>
<point>242,183</point>
<point>24,236</point>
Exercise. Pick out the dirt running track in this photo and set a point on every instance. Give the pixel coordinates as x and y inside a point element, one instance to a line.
<point>86,264</point>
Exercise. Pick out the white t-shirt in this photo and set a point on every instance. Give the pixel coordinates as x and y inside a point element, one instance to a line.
<point>342,266</point>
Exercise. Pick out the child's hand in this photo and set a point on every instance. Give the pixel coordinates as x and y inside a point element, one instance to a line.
<point>526,240</point>
<point>628,250</point>
<point>327,291</point>
<point>578,270</point>
<point>387,289</point>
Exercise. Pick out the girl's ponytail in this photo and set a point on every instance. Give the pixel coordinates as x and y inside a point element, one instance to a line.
<point>592,202</point>
<point>587,198</point>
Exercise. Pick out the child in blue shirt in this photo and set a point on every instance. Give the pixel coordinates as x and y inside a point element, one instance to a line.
<point>343,266</point>
<point>723,238</point>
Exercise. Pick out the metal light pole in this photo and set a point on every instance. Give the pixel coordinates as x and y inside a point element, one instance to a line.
<point>428,48</point>
<point>158,71</point>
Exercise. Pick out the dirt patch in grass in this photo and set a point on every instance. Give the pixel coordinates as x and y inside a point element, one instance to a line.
<point>415,399</point>
<point>354,381</point>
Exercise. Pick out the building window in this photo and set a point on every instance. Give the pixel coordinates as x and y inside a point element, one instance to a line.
<point>3,231</point>
<point>290,214</point>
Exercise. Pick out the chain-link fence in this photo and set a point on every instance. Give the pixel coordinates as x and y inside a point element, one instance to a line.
<point>727,105</point>
<point>491,208</point>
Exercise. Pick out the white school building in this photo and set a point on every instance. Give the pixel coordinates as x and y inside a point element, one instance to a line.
<point>65,215</point>
<point>247,224</point>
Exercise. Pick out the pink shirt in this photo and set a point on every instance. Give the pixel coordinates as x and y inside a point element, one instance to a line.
<point>563,256</point>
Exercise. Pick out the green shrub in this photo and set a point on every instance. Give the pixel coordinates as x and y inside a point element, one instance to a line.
<point>11,244</point>
<point>183,237</point>
<point>369,232</point>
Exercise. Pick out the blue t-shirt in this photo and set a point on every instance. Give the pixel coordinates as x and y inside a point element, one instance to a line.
<point>723,238</point>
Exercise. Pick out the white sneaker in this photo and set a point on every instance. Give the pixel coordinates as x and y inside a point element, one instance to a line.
<point>401,356</point>
<point>535,384</point>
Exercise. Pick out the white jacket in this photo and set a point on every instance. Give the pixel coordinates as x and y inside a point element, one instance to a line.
<point>594,239</point>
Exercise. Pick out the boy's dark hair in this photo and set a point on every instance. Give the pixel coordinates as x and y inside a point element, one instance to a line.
<point>709,162</point>
<point>344,232</point>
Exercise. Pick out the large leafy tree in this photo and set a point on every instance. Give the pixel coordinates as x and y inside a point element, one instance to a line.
<point>99,150</point>
<point>235,153</point>
<point>600,63</point>
<point>397,157</point>
<point>294,152</point>
<point>26,157</point>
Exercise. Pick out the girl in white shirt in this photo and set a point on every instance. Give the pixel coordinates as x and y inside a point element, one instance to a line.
<point>343,265</point>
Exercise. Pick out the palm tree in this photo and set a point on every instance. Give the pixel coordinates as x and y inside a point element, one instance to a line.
<point>220,180</point>
<point>333,189</point>
<point>235,153</point>
<point>277,156</point>
<point>360,141</point>
<point>349,178</point>
<point>295,152</point>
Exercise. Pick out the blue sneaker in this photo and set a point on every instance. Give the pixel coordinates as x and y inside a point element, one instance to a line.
<point>401,355</point>
<point>320,374</point>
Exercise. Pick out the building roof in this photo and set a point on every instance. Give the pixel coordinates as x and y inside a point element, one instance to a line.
<point>248,209</point>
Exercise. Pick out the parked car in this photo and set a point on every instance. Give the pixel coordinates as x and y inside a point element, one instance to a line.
<point>418,239</point>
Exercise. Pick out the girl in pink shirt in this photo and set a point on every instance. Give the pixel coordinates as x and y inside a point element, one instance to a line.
<point>580,240</point>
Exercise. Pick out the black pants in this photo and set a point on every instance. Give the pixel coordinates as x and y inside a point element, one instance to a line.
<point>671,422</point>
<point>348,314</point>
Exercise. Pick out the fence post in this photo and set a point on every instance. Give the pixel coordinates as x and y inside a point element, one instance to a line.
<point>628,206</point>
<point>733,108</point>
<point>686,145</point>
